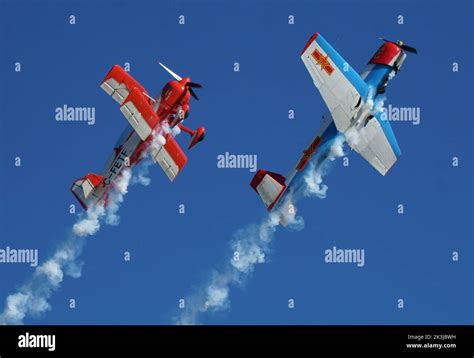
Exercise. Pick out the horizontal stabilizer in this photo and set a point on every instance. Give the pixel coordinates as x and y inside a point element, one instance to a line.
<point>84,188</point>
<point>269,186</point>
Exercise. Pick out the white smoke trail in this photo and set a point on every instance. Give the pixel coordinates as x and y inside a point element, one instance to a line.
<point>251,245</point>
<point>32,298</point>
<point>370,97</point>
<point>175,131</point>
<point>391,75</point>
<point>90,224</point>
<point>379,104</point>
<point>142,177</point>
<point>314,176</point>
<point>116,197</point>
<point>376,101</point>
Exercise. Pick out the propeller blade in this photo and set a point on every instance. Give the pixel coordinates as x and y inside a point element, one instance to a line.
<point>409,49</point>
<point>193,93</point>
<point>175,76</point>
<point>194,85</point>
<point>402,46</point>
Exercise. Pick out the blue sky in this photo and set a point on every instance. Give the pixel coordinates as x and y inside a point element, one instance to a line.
<point>408,256</point>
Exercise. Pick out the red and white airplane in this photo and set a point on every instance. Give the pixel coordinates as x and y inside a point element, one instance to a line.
<point>148,117</point>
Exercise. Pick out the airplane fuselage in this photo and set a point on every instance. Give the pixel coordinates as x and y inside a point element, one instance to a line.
<point>130,149</point>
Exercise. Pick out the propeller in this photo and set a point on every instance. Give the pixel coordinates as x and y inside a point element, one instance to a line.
<point>193,93</point>
<point>175,76</point>
<point>189,85</point>
<point>401,45</point>
<point>192,85</point>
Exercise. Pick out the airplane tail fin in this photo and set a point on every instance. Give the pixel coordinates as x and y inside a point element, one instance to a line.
<point>83,188</point>
<point>269,186</point>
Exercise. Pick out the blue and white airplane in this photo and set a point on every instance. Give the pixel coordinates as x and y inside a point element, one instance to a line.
<point>350,98</point>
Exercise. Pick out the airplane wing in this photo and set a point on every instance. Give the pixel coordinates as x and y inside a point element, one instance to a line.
<point>136,107</point>
<point>170,157</point>
<point>344,92</point>
<point>133,100</point>
<point>118,84</point>
<point>338,83</point>
<point>374,146</point>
